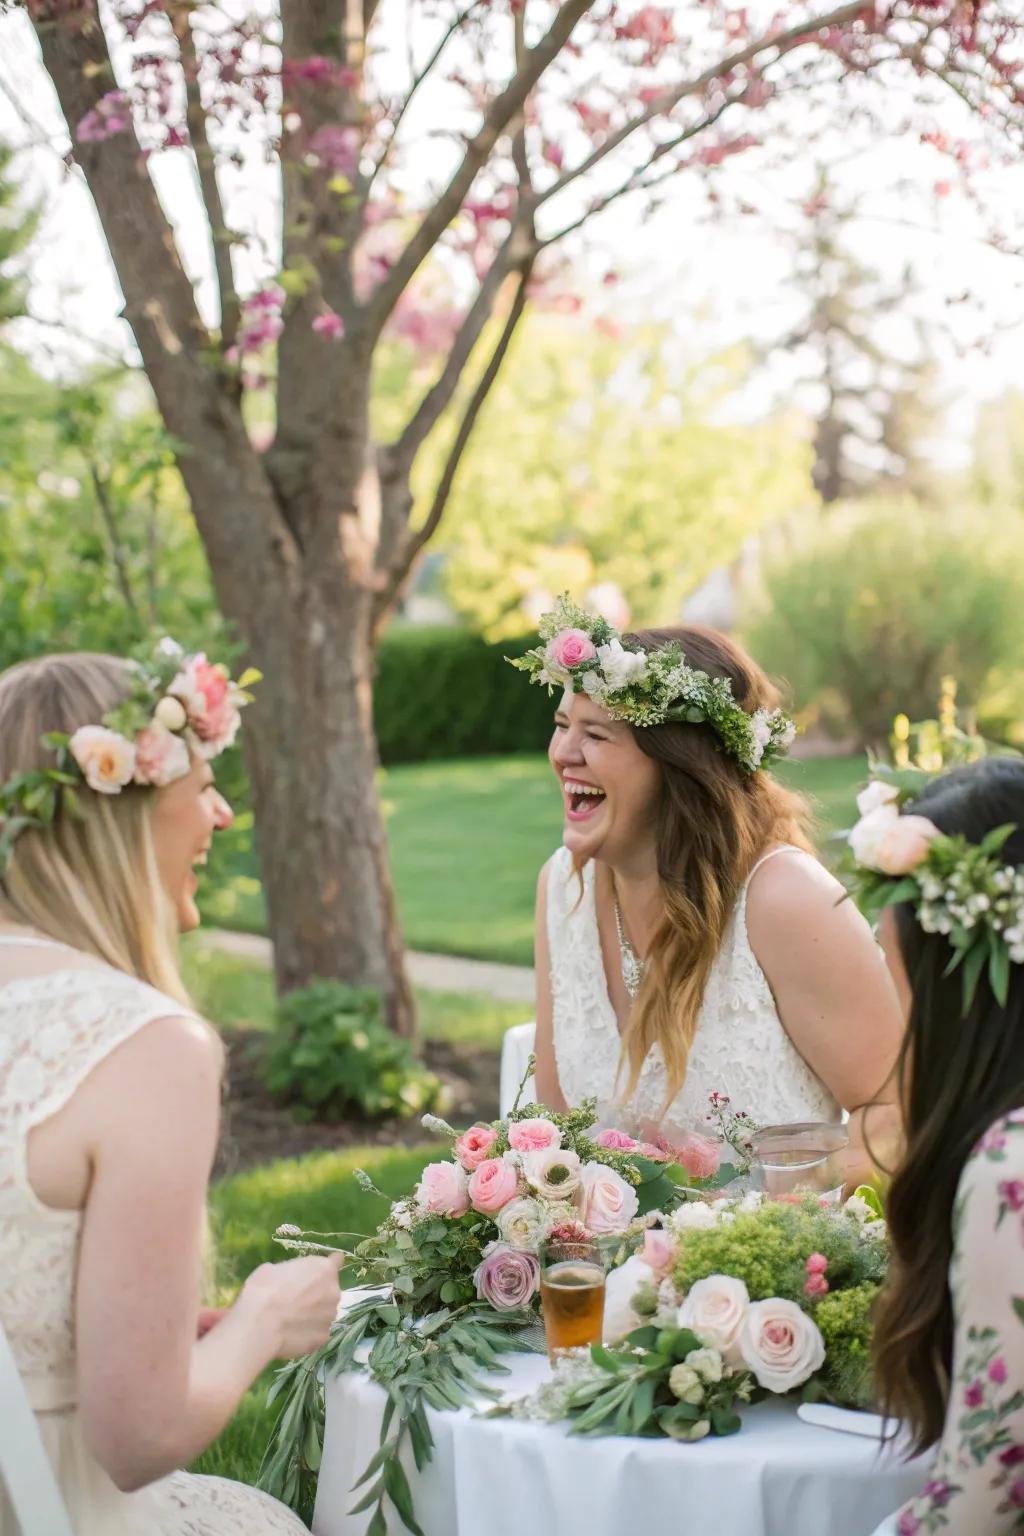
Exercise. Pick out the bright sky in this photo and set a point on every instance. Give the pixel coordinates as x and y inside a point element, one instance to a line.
<point>709,283</point>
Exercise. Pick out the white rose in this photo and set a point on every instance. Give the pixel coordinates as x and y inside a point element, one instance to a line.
<point>523,1224</point>
<point>620,1288</point>
<point>780,1344</point>
<point>694,1216</point>
<point>876,794</point>
<point>552,1173</point>
<point>607,1202</point>
<point>715,1310</point>
<point>707,1363</point>
<point>868,835</point>
<point>621,667</point>
<point>106,758</point>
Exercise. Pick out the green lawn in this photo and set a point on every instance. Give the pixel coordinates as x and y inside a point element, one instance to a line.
<point>467,839</point>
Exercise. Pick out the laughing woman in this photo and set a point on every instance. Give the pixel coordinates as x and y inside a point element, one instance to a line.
<point>688,941</point>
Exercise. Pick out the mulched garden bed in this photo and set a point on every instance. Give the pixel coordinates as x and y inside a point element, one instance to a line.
<point>257,1128</point>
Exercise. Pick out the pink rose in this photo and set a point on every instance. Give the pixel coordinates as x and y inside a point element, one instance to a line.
<point>780,1344</point>
<point>816,1264</point>
<point>607,1202</point>
<point>816,1287</point>
<point>160,756</point>
<point>474,1145</point>
<point>903,845</point>
<point>507,1278</point>
<point>206,692</point>
<point>442,1190</point>
<point>534,1135</point>
<point>493,1184</point>
<point>715,1309</point>
<point>659,1250</point>
<point>616,1141</point>
<point>570,648</point>
<point>699,1155</point>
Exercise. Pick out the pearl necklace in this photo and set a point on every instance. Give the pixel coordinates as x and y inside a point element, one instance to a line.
<point>633,968</point>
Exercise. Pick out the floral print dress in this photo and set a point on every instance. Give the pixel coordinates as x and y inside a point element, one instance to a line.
<point>977,1484</point>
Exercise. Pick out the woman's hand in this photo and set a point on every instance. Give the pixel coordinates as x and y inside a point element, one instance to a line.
<point>294,1302</point>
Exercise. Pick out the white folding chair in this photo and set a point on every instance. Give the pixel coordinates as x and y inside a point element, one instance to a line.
<point>516,1049</point>
<point>25,1468</point>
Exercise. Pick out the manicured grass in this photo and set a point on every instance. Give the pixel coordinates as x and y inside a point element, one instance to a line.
<point>238,994</point>
<point>467,840</point>
<point>317,1193</point>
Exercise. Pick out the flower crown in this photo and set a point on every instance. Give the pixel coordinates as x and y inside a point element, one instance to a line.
<point>959,889</point>
<point>583,652</point>
<point>178,706</point>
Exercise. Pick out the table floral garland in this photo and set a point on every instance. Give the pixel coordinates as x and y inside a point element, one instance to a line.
<point>456,1282</point>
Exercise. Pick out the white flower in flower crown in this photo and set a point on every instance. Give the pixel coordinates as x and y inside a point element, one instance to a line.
<point>593,685</point>
<point>787,736</point>
<point>868,835</point>
<point>761,726</point>
<point>877,793</point>
<point>621,667</point>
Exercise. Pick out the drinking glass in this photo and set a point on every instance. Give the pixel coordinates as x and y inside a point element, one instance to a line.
<point>800,1159</point>
<point>571,1294</point>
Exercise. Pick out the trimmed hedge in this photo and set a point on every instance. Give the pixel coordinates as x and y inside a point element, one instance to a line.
<point>444,692</point>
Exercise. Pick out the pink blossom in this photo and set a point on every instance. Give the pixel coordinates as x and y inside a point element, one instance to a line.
<point>659,1250</point>
<point>111,115</point>
<point>337,148</point>
<point>974,1395</point>
<point>329,325</point>
<point>997,1371</point>
<point>615,1141</point>
<point>816,1264</point>
<point>473,1146</point>
<point>1012,1192</point>
<point>442,1190</point>
<point>938,1492</point>
<point>507,1278</point>
<point>160,756</point>
<point>209,699</point>
<point>908,1524</point>
<point>1017,1493</point>
<point>816,1287</point>
<point>535,1135</point>
<point>570,648</point>
<point>569,1232</point>
<point>1012,1456</point>
<point>698,1154</point>
<point>493,1184</point>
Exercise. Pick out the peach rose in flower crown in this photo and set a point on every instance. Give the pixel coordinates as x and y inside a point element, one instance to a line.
<point>443,1190</point>
<point>160,756</point>
<point>493,1184</point>
<point>905,844</point>
<point>535,1135</point>
<point>570,648</point>
<point>607,1202</point>
<point>106,758</point>
<point>474,1145</point>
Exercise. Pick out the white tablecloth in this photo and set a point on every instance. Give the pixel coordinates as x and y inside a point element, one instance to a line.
<point>503,1477</point>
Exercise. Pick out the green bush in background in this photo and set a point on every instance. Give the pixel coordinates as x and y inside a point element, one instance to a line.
<point>867,612</point>
<point>332,1054</point>
<point>445,692</point>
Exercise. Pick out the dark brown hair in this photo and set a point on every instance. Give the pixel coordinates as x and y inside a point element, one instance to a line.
<point>714,820</point>
<point>958,1073</point>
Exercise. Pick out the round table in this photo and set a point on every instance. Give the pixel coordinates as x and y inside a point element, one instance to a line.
<point>503,1477</point>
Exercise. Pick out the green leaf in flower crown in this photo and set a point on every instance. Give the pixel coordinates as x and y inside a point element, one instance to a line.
<point>994,840</point>
<point>974,964</point>
<point>999,970</point>
<point>903,890</point>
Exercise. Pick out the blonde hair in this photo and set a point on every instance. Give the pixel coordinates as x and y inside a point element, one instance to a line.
<point>713,823</point>
<point>90,881</point>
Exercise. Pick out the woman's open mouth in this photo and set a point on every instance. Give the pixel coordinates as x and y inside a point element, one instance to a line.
<point>582,800</point>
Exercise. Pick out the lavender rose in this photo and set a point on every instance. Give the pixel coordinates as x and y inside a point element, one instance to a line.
<point>507,1278</point>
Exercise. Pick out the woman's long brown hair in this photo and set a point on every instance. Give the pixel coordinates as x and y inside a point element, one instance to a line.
<point>713,823</point>
<point>958,1073</point>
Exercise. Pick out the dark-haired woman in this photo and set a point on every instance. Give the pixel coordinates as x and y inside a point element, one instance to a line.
<point>685,930</point>
<point>950,1330</point>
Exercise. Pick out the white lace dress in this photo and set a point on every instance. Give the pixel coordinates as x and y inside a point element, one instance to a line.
<point>55,1027</point>
<point>740,1047</point>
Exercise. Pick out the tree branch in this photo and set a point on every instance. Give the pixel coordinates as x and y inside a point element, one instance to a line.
<point>113,534</point>
<point>220,236</point>
<point>414,543</point>
<point>499,114</point>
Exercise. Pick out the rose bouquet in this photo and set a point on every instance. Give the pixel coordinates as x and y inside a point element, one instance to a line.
<point>724,1304</point>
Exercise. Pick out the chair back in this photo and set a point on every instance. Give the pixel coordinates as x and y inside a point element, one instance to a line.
<point>516,1049</point>
<point>25,1468</point>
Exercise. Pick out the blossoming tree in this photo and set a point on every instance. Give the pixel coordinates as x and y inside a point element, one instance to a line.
<point>509,129</point>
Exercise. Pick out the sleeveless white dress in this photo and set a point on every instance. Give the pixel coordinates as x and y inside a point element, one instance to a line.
<point>740,1048</point>
<point>55,1027</point>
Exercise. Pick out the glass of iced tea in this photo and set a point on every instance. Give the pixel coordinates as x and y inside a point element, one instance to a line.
<point>571,1294</point>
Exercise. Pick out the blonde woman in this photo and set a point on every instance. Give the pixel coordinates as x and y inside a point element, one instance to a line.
<point>686,933</point>
<point>109,1093</point>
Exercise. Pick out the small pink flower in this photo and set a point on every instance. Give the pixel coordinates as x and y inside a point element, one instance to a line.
<point>507,1278</point>
<point>1012,1192</point>
<point>160,756</point>
<point>474,1145</point>
<point>493,1184</point>
<point>908,1524</point>
<point>570,648</point>
<point>206,692</point>
<point>816,1286</point>
<point>329,325</point>
<point>699,1155</point>
<point>974,1395</point>
<point>905,844</point>
<point>616,1141</point>
<point>536,1135</point>
<point>659,1250</point>
<point>1012,1456</point>
<point>569,1232</point>
<point>997,1371</point>
<point>816,1264</point>
<point>1017,1493</point>
<point>442,1190</point>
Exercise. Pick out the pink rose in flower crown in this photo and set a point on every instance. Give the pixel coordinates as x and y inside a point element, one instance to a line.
<point>659,1250</point>
<point>698,1154</point>
<point>507,1278</point>
<point>474,1145</point>
<point>206,691</point>
<point>904,845</point>
<point>607,1202</point>
<point>616,1141</point>
<point>570,648</point>
<point>493,1184</point>
<point>536,1135</point>
<point>160,756</point>
<point>443,1190</point>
